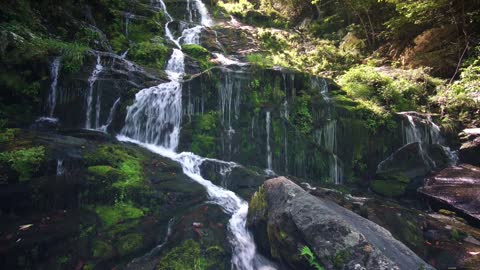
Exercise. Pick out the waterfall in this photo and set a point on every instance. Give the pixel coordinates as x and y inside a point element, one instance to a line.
<point>156,115</point>
<point>189,11</point>
<point>429,134</point>
<point>205,20</point>
<point>153,122</point>
<point>168,33</point>
<point>91,83</point>
<point>52,97</point>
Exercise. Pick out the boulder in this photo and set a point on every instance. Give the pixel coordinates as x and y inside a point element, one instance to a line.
<point>470,150</point>
<point>457,188</point>
<point>302,231</point>
<point>414,160</point>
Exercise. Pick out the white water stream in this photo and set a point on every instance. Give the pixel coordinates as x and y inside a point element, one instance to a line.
<point>153,122</point>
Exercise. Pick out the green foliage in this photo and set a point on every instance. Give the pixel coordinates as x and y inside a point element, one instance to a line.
<point>308,255</point>
<point>302,118</point>
<point>73,54</point>
<point>199,53</point>
<point>25,161</point>
<point>460,100</point>
<point>190,256</point>
<point>129,243</point>
<point>111,215</point>
<point>102,250</point>
<point>152,54</point>
<point>204,137</point>
<point>8,135</point>
<point>239,8</point>
<point>260,60</point>
<point>395,91</point>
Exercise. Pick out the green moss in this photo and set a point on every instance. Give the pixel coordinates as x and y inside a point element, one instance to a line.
<point>199,53</point>
<point>125,163</point>
<point>119,212</point>
<point>129,243</point>
<point>101,170</point>
<point>25,161</point>
<point>388,188</point>
<point>189,255</point>
<point>258,203</point>
<point>152,54</point>
<point>102,250</point>
<point>340,258</point>
<point>447,212</point>
<point>457,235</point>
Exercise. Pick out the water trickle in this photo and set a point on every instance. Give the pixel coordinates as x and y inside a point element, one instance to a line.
<point>60,167</point>
<point>98,108</point>
<point>268,125</point>
<point>91,83</point>
<point>111,115</point>
<point>54,73</point>
<point>327,137</point>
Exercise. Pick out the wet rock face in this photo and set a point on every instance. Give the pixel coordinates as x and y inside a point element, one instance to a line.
<point>292,221</point>
<point>470,150</point>
<point>457,188</point>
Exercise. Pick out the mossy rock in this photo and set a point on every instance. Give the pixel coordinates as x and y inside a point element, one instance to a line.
<point>189,255</point>
<point>111,215</point>
<point>102,250</point>
<point>388,188</point>
<point>129,243</point>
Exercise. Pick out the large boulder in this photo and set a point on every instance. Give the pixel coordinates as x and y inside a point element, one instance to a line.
<point>457,188</point>
<point>302,231</point>
<point>470,150</point>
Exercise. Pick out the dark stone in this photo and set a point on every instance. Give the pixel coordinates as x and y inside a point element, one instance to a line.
<point>337,237</point>
<point>414,160</point>
<point>457,188</point>
<point>470,150</point>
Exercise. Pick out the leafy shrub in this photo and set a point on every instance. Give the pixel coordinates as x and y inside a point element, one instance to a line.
<point>8,135</point>
<point>397,92</point>
<point>260,60</point>
<point>25,161</point>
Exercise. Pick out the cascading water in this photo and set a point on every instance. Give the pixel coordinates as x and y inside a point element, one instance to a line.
<point>153,122</point>
<point>157,112</point>
<point>428,133</point>
<point>91,83</point>
<point>54,73</point>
